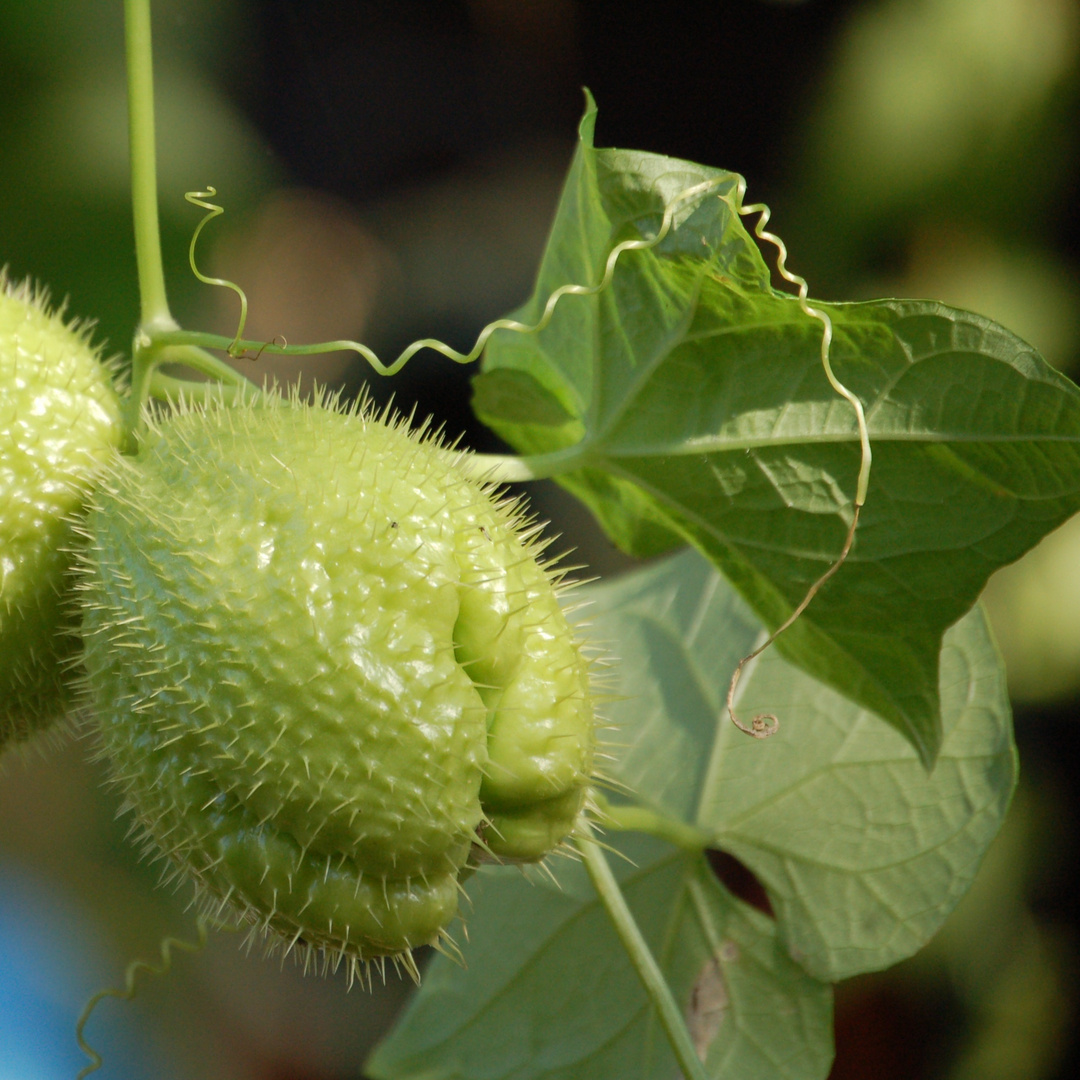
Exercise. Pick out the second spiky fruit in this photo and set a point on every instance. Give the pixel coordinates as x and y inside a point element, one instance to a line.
<point>327,670</point>
<point>59,424</point>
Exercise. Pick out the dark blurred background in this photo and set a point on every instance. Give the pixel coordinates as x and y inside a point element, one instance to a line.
<point>390,169</point>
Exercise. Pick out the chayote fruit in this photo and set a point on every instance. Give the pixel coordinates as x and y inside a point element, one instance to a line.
<point>328,671</point>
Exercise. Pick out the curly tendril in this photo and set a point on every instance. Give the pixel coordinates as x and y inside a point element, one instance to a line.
<point>168,944</point>
<point>765,724</point>
<point>199,198</point>
<point>196,198</point>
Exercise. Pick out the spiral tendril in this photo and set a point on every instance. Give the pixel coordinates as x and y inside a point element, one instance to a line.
<point>200,198</point>
<point>168,944</point>
<point>239,346</point>
<point>765,724</point>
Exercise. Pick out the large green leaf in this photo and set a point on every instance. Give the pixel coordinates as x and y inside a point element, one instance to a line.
<point>546,991</point>
<point>863,853</point>
<point>687,401</point>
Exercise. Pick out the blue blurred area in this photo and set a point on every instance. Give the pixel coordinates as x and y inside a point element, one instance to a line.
<point>43,978</point>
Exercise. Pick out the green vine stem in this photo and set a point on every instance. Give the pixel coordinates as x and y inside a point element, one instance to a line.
<point>166,388</point>
<point>652,978</point>
<point>144,197</point>
<point>148,352</point>
<point>622,817</point>
<point>153,302</point>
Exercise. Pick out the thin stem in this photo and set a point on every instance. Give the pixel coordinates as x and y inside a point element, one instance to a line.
<point>189,347</point>
<point>206,363</point>
<point>144,197</point>
<point>624,818</point>
<point>652,978</point>
<point>499,468</point>
<point>142,369</point>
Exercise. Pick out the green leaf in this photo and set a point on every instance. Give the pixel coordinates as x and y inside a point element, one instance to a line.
<point>692,405</point>
<point>863,853</point>
<point>546,991</point>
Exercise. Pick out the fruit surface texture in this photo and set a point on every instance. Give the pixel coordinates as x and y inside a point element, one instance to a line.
<point>59,424</point>
<point>328,671</point>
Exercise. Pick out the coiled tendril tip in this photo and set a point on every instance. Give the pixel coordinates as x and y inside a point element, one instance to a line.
<point>201,199</point>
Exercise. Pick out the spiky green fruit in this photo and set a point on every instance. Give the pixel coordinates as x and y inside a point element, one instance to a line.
<point>59,422</point>
<point>328,669</point>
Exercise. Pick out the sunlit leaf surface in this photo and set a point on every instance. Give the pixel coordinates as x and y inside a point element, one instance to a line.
<point>687,401</point>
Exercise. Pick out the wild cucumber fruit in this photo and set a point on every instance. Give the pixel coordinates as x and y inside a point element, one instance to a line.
<point>59,422</point>
<point>328,671</point>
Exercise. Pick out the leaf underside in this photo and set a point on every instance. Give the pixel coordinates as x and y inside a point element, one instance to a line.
<point>862,852</point>
<point>687,402</point>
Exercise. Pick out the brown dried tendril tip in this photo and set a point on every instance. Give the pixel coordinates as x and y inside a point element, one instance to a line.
<point>764,724</point>
<point>243,353</point>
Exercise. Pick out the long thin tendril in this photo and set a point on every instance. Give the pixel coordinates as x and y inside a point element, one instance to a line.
<point>200,198</point>
<point>168,944</point>
<point>765,724</point>
<point>238,345</point>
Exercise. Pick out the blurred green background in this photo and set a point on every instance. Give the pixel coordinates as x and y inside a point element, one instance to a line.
<point>389,171</point>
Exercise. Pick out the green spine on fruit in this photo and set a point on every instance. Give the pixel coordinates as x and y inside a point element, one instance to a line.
<point>59,424</point>
<point>328,671</point>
